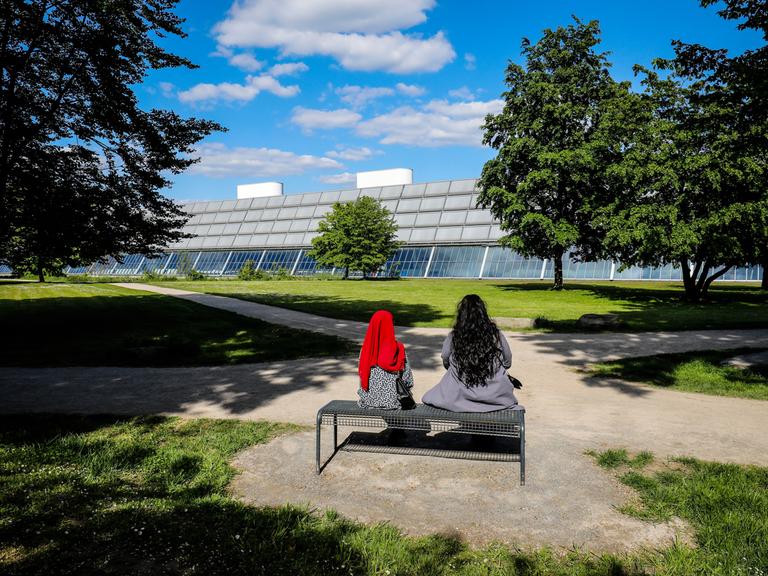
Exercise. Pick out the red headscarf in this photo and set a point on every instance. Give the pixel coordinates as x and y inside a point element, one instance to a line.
<point>380,347</point>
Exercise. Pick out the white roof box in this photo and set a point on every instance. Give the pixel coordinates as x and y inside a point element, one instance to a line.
<point>259,190</point>
<point>392,177</point>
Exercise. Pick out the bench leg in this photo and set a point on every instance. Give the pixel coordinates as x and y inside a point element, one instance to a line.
<point>522,454</point>
<point>335,433</point>
<point>317,441</point>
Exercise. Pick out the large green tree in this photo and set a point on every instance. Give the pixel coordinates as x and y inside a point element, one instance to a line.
<point>560,129</point>
<point>695,178</point>
<point>81,164</point>
<point>738,82</point>
<point>359,235</point>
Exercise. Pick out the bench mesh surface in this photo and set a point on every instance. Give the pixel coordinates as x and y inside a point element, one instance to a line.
<point>422,417</point>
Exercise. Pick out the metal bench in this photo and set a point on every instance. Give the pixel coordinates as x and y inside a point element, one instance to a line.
<point>502,423</point>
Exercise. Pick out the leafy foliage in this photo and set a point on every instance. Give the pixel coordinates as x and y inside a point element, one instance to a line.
<point>562,124</point>
<point>695,188</point>
<point>81,165</point>
<point>357,235</point>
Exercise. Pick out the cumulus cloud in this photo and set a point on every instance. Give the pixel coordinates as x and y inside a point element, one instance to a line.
<point>232,92</point>
<point>470,62</point>
<point>438,123</point>
<point>351,154</point>
<point>359,96</point>
<point>288,69</point>
<point>362,35</point>
<point>462,93</point>
<point>343,178</point>
<point>220,161</point>
<point>167,88</point>
<point>311,118</point>
<point>410,89</point>
<point>244,61</point>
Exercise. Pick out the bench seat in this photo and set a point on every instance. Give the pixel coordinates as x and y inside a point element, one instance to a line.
<point>501,423</point>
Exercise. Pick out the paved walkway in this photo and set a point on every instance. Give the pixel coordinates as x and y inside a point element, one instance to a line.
<point>567,499</point>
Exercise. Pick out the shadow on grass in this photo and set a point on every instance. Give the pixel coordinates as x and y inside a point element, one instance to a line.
<point>145,330</point>
<point>646,308</point>
<point>68,514</point>
<point>337,307</point>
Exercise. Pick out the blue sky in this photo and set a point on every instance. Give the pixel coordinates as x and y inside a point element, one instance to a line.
<point>314,91</point>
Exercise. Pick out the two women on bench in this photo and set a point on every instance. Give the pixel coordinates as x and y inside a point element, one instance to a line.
<point>476,356</point>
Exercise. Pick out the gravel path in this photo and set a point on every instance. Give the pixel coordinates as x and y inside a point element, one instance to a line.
<point>567,499</point>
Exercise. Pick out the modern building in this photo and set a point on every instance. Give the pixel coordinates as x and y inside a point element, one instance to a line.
<point>444,234</point>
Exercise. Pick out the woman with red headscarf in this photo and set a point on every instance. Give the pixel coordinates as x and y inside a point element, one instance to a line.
<point>382,364</point>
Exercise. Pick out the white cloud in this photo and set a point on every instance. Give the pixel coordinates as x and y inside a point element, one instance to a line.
<point>167,88</point>
<point>360,35</point>
<point>438,123</point>
<point>220,161</point>
<point>410,89</point>
<point>462,93</point>
<point>311,118</point>
<point>288,69</point>
<point>470,62</point>
<point>359,96</point>
<point>351,154</point>
<point>230,91</point>
<point>343,178</point>
<point>244,61</point>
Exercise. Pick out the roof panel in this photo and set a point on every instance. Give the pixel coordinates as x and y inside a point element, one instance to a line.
<point>449,233</point>
<point>292,200</point>
<point>310,199</point>
<point>274,201</point>
<point>437,188</point>
<point>475,233</point>
<point>413,190</point>
<point>391,192</point>
<point>422,234</point>
<point>459,186</point>
<point>428,219</point>
<point>432,203</point>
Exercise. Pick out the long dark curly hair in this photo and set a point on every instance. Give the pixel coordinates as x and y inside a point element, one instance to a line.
<point>476,346</point>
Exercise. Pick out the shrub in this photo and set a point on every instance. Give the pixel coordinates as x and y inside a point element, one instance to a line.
<point>195,275</point>
<point>247,271</point>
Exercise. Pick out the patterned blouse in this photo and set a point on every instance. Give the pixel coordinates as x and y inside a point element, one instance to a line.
<point>382,388</point>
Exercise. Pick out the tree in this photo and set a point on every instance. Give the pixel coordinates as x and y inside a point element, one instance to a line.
<point>742,85</point>
<point>695,180</point>
<point>81,164</point>
<point>556,135</point>
<point>357,235</point>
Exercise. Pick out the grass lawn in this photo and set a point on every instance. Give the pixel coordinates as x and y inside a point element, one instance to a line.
<point>103,325</point>
<point>102,495</point>
<point>691,372</point>
<point>414,302</point>
<point>726,504</point>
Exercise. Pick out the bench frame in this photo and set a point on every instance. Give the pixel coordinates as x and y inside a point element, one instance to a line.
<point>502,423</point>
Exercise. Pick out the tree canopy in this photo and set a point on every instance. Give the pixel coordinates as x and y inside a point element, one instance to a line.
<point>357,235</point>
<point>696,177</point>
<point>81,164</point>
<point>559,130</point>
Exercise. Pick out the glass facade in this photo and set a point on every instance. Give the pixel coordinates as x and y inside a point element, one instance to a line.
<point>506,263</point>
<point>456,262</point>
<point>275,260</point>
<point>238,259</point>
<point>408,263</point>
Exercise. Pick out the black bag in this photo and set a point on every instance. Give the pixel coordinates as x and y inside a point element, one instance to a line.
<point>404,394</point>
<point>515,382</point>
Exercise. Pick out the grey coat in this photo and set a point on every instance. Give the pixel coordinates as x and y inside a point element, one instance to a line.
<point>452,394</point>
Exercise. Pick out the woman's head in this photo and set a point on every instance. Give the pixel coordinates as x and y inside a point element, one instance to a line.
<point>476,347</point>
<point>380,348</point>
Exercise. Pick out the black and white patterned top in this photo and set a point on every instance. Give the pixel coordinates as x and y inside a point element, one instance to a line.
<point>382,388</point>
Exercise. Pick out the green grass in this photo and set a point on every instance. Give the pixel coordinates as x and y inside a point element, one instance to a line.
<point>104,325</point>
<point>414,302</point>
<point>691,372</point>
<point>148,495</point>
<point>726,504</point>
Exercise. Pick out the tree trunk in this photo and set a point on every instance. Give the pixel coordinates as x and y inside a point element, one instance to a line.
<point>557,260</point>
<point>40,274</point>
<point>764,283</point>
<point>346,272</point>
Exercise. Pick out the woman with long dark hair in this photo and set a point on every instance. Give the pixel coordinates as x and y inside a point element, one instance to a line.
<point>385,375</point>
<point>476,356</point>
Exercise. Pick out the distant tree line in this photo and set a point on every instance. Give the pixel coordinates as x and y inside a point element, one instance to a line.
<point>676,174</point>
